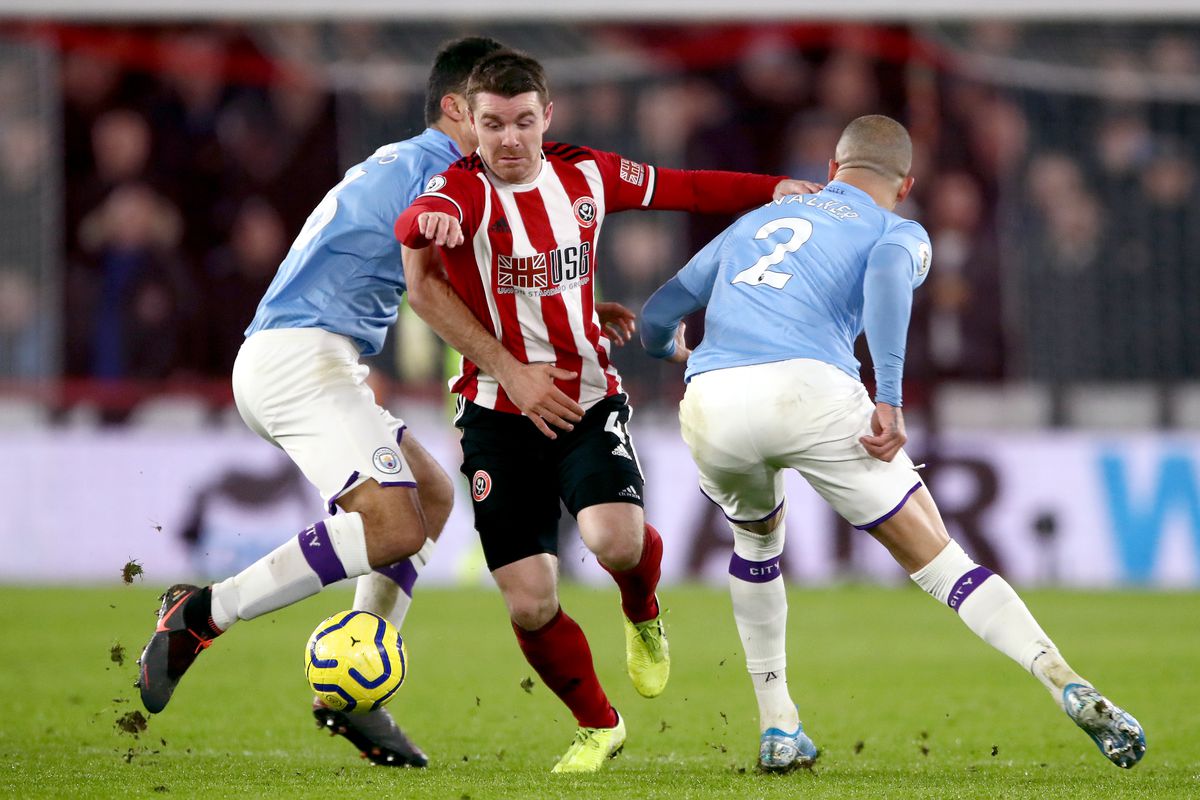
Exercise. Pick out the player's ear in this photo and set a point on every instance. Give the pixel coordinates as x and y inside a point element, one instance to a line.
<point>454,107</point>
<point>905,187</point>
<point>546,119</point>
<point>833,168</point>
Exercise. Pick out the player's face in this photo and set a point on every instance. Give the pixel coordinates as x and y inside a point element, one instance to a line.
<point>510,133</point>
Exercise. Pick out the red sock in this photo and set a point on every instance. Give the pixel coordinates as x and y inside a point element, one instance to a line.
<point>559,652</point>
<point>638,584</point>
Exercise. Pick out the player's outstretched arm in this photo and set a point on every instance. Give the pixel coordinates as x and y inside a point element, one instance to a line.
<point>717,192</point>
<point>530,386</point>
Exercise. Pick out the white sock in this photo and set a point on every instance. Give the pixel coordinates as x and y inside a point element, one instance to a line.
<point>988,606</point>
<point>388,590</point>
<point>329,551</point>
<point>760,611</point>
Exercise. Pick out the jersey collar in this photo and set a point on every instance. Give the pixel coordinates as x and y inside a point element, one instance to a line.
<point>846,190</point>
<point>434,133</point>
<point>516,187</point>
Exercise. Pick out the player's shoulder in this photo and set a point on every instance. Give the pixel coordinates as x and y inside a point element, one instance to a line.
<point>421,149</point>
<point>570,153</point>
<point>902,230</point>
<point>472,162</point>
<point>459,176</point>
<point>912,236</point>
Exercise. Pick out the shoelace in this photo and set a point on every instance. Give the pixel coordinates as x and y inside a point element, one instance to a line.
<point>584,737</point>
<point>651,636</point>
<point>202,643</point>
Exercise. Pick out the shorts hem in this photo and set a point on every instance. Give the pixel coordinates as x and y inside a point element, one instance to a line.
<point>350,482</point>
<point>777,509</point>
<point>893,512</point>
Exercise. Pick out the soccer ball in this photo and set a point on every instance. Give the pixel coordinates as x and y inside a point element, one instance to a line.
<point>355,661</point>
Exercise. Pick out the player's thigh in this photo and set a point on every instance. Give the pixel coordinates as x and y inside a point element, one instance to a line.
<point>915,534</point>
<point>513,485</point>
<point>597,463</point>
<point>305,391</point>
<point>863,490</point>
<point>732,473</point>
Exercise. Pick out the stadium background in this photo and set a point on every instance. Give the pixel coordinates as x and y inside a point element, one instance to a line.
<point>155,162</point>
<point>152,174</point>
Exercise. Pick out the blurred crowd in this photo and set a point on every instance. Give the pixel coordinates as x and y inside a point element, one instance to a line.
<point>1063,222</point>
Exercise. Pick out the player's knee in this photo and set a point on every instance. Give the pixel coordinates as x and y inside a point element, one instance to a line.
<point>748,539</point>
<point>393,525</point>
<point>621,549</point>
<point>530,612</point>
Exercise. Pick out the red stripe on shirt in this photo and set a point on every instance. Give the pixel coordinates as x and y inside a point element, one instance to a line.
<point>576,186</point>
<point>536,222</point>
<point>506,304</point>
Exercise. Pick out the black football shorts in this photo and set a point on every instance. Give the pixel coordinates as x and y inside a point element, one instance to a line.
<point>517,475</point>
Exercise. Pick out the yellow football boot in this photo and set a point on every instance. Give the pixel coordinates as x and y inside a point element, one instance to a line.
<point>647,656</point>
<point>591,748</point>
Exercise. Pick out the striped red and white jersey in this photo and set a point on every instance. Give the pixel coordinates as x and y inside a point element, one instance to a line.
<point>527,265</point>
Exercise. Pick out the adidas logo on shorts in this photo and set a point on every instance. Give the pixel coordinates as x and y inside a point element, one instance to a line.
<point>629,491</point>
<point>620,450</point>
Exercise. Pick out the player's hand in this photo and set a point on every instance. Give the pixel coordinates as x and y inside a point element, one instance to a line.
<point>617,321</point>
<point>682,351</point>
<point>887,425</point>
<point>531,387</point>
<point>793,186</point>
<point>441,229</point>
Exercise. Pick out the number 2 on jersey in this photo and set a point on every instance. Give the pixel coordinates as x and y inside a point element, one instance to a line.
<point>760,272</point>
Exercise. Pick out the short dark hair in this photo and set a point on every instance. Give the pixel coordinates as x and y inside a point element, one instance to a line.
<point>451,68</point>
<point>508,73</point>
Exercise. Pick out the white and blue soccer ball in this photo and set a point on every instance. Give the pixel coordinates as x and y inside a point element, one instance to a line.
<point>355,661</point>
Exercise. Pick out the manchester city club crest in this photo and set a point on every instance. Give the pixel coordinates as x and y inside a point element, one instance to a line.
<point>926,257</point>
<point>386,460</point>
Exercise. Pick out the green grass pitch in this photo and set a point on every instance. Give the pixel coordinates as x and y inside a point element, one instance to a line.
<point>902,699</point>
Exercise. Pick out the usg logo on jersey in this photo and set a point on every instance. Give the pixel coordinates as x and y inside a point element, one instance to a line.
<point>925,257</point>
<point>585,211</point>
<point>481,485</point>
<point>435,183</point>
<point>386,460</point>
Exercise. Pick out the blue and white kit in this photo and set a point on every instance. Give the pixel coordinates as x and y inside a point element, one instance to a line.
<point>297,380</point>
<point>775,384</point>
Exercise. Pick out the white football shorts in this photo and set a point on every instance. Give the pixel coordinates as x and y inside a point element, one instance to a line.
<point>304,390</point>
<point>745,425</point>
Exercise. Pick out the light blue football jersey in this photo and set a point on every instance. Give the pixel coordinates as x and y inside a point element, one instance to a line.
<point>343,272</point>
<point>786,280</point>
